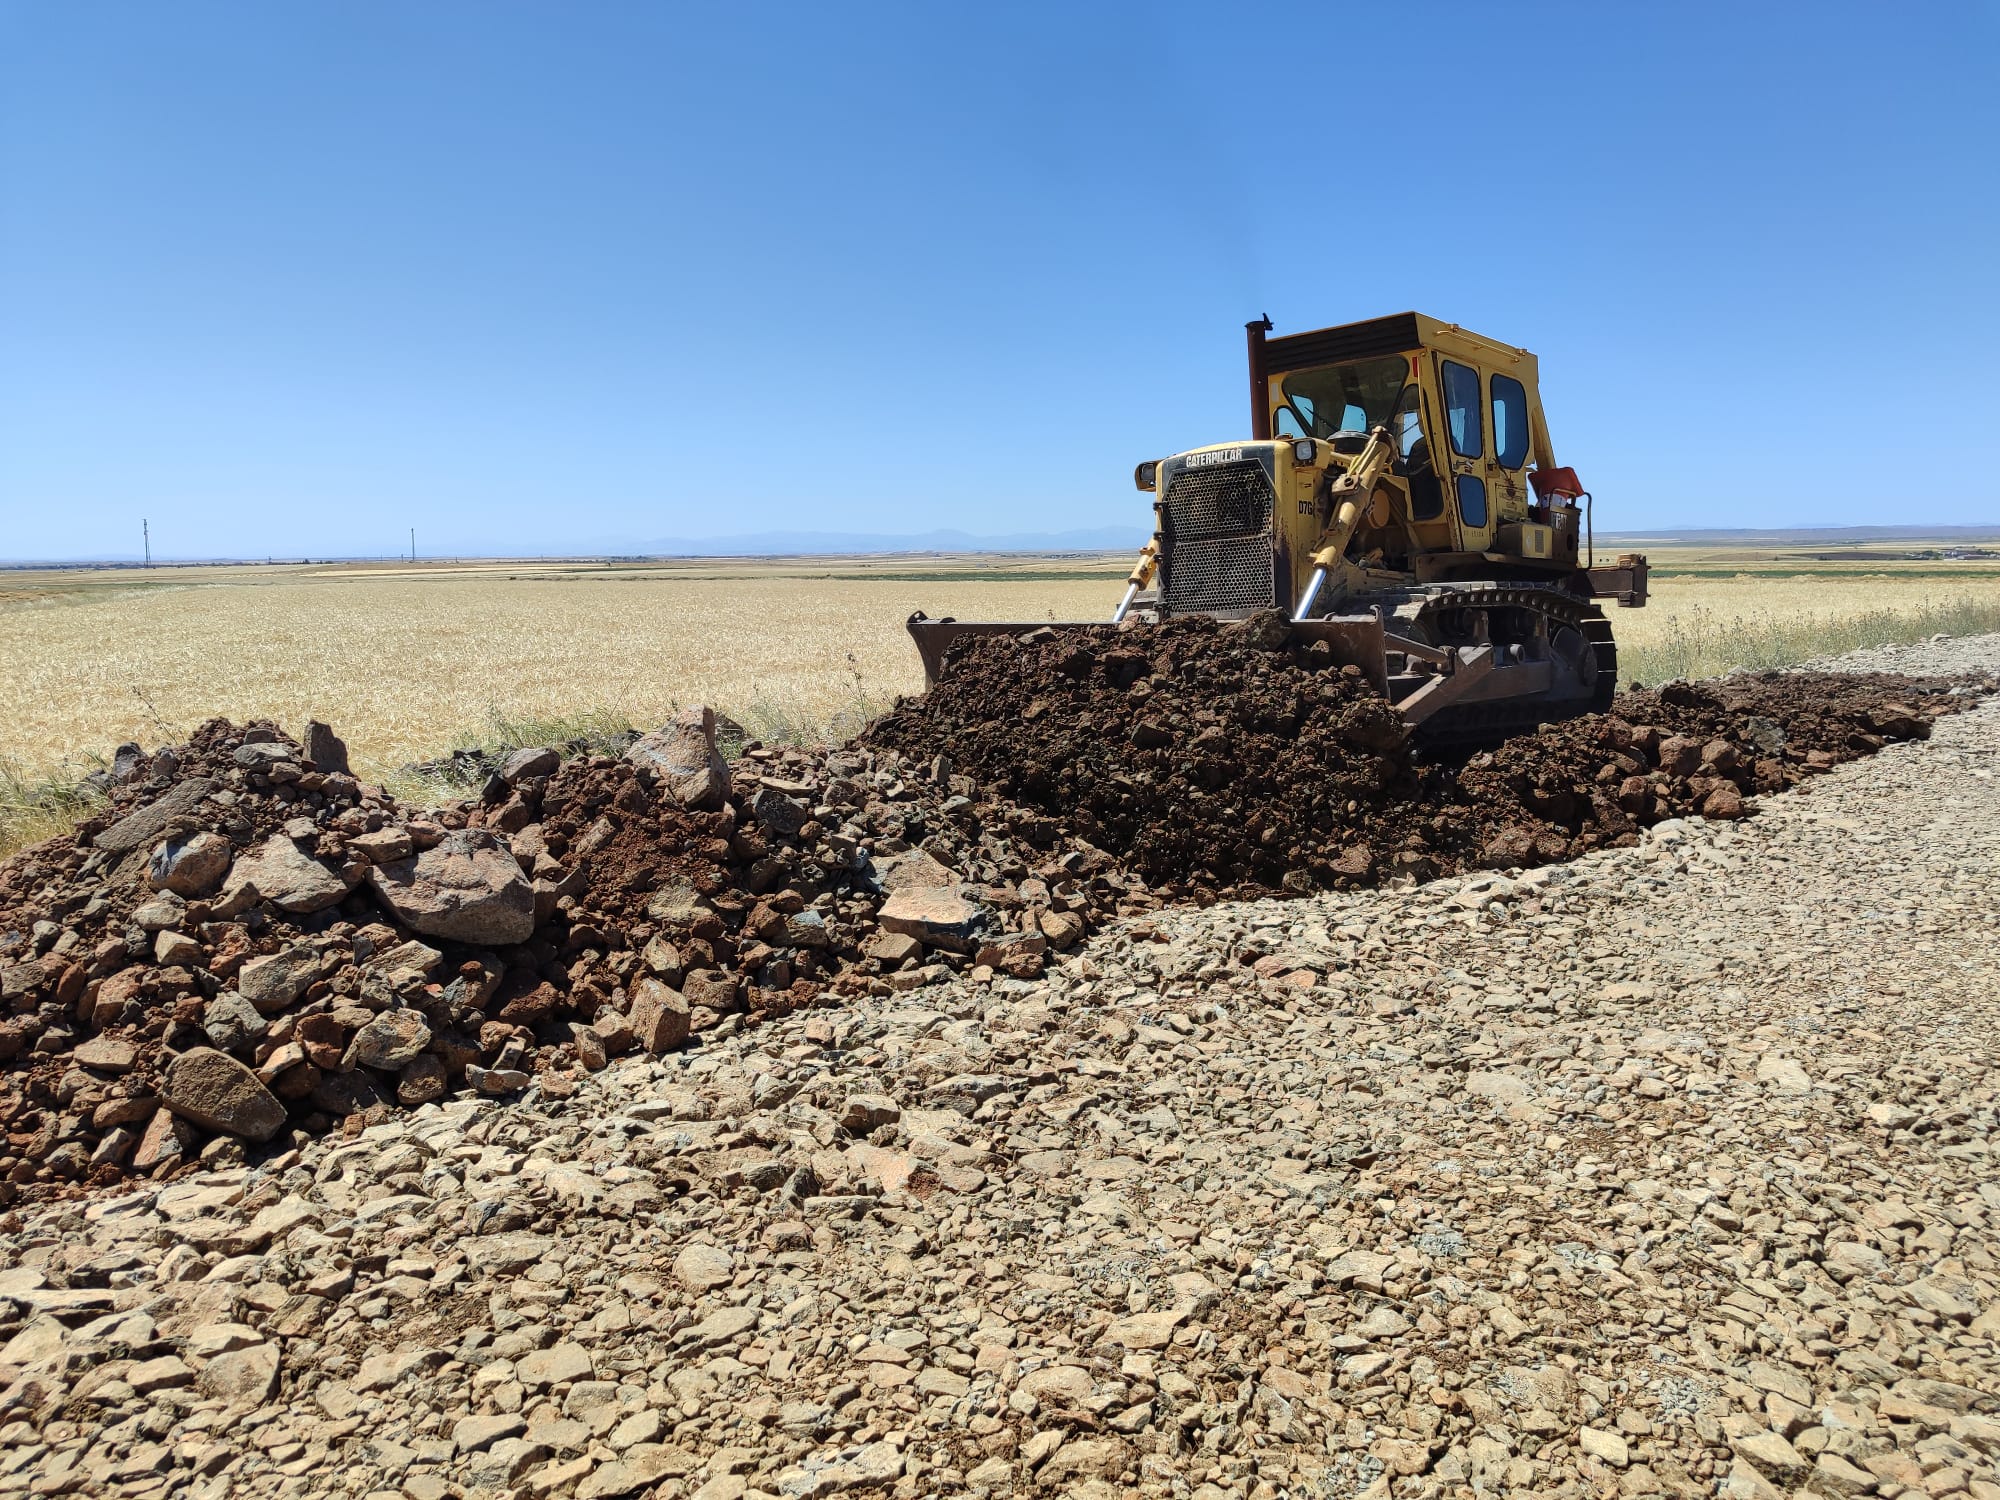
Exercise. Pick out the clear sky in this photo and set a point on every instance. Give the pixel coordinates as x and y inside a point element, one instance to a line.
<point>290,279</point>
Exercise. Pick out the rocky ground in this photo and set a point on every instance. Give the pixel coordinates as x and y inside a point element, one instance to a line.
<point>247,948</point>
<point>1666,1170</point>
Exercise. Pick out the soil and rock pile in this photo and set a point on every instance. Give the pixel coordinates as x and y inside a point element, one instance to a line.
<point>248,942</point>
<point>1216,758</point>
<point>249,947</point>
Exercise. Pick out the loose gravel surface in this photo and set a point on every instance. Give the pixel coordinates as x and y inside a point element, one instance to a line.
<point>1664,1171</point>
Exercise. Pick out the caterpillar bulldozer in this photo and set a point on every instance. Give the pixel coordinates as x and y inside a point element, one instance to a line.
<point>1398,499</point>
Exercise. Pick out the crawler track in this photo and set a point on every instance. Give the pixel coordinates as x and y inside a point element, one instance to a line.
<point>1509,614</point>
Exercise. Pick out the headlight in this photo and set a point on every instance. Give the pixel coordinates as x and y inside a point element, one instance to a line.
<point>1147,475</point>
<point>1304,450</point>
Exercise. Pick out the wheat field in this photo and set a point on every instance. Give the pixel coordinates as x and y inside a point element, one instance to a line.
<point>408,661</point>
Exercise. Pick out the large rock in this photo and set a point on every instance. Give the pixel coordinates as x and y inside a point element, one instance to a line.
<point>560,1363</point>
<point>1061,928</point>
<point>232,1022</point>
<point>128,764</point>
<point>937,919</point>
<point>390,1042</point>
<point>283,874</point>
<point>241,1377</point>
<point>191,866</point>
<point>275,980</point>
<point>150,821</point>
<point>711,988</point>
<point>106,1054</point>
<point>682,754</point>
<point>891,949</point>
<point>914,870</point>
<point>326,750</point>
<point>217,1092</point>
<point>658,1017</point>
<point>530,760</point>
<point>1770,1455</point>
<point>1083,1458</point>
<point>679,905</point>
<point>168,1139</point>
<point>700,1267</point>
<point>423,1080</point>
<point>778,815</point>
<point>467,888</point>
<point>382,847</point>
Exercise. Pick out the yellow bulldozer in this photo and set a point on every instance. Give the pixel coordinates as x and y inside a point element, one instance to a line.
<point>1400,500</point>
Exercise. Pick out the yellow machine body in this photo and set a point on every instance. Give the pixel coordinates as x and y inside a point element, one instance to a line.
<point>1400,502</point>
<point>1451,499</point>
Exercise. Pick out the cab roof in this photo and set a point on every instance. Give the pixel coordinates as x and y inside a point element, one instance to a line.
<point>1398,333</point>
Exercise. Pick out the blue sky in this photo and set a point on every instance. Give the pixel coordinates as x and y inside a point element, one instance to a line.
<point>292,279</point>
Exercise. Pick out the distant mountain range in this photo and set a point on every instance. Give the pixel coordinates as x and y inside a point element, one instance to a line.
<point>842,543</point>
<point>1124,538</point>
<point>1127,538</point>
<point>1748,535</point>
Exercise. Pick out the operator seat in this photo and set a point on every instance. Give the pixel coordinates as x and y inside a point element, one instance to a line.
<point>1426,493</point>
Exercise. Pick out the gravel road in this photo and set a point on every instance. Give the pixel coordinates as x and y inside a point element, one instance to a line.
<point>1667,1170</point>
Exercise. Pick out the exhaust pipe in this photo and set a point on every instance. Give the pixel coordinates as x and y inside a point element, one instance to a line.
<point>1260,397</point>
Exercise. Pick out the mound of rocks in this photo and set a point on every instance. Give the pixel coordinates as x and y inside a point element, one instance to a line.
<point>247,946</point>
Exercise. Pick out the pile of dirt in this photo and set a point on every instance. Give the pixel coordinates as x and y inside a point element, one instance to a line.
<point>248,946</point>
<point>1683,749</point>
<point>1213,758</point>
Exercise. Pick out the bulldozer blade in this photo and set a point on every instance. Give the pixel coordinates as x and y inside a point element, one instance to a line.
<point>934,637</point>
<point>1355,640</point>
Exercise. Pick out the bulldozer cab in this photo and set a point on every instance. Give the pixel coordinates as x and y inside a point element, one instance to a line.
<point>1464,413</point>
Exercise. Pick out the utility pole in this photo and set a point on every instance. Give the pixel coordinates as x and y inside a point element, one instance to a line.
<point>146,539</point>
<point>413,544</point>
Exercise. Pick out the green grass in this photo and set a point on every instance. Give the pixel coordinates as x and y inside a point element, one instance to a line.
<point>594,732</point>
<point>1703,643</point>
<point>33,808</point>
<point>763,720</point>
<point>772,722</point>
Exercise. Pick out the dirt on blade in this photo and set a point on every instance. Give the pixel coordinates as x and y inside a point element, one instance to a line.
<point>1210,757</point>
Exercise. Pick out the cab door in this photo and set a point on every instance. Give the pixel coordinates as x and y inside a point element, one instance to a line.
<point>1467,452</point>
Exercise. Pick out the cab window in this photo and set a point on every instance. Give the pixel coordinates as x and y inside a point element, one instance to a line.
<point>1461,410</point>
<point>1510,421</point>
<point>1353,397</point>
<point>1407,426</point>
<point>1472,501</point>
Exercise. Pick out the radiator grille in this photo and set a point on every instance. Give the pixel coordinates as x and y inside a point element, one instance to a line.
<point>1218,554</point>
